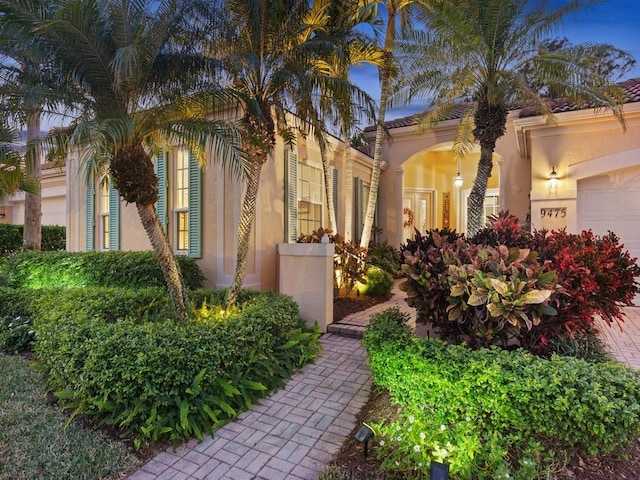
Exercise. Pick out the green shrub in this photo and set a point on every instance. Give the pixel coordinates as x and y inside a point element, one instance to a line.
<point>378,283</point>
<point>95,269</point>
<point>587,346</point>
<point>169,380</point>
<point>493,413</point>
<point>53,238</point>
<point>386,257</point>
<point>16,334</point>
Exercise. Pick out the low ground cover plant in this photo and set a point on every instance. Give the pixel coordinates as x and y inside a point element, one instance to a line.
<point>94,269</point>
<point>492,413</point>
<point>174,381</point>
<point>506,285</point>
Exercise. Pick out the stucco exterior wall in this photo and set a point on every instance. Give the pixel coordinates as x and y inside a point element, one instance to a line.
<point>578,146</point>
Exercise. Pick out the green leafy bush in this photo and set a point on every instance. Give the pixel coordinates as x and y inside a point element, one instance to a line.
<point>53,238</point>
<point>378,283</point>
<point>95,269</point>
<point>51,305</point>
<point>16,334</point>
<point>492,413</point>
<point>169,380</point>
<point>386,257</point>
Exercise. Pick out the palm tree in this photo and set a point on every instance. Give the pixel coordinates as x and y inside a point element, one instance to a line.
<point>355,49</point>
<point>476,49</point>
<point>397,11</point>
<point>136,71</point>
<point>21,56</point>
<point>13,177</point>
<point>269,51</point>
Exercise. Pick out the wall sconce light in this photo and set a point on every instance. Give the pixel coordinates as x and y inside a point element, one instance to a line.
<point>439,471</point>
<point>3,215</point>
<point>553,179</point>
<point>363,435</point>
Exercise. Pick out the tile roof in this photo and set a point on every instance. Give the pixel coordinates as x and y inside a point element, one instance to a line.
<point>558,105</point>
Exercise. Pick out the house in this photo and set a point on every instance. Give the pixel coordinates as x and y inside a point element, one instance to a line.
<point>580,172</point>
<point>595,162</point>
<point>200,209</point>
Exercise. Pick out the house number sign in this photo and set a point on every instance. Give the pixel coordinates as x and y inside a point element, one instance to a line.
<point>560,212</point>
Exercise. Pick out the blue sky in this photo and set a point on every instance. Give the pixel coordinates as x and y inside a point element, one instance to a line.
<point>616,22</point>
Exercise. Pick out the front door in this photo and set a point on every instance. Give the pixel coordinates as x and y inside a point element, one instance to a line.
<point>418,212</point>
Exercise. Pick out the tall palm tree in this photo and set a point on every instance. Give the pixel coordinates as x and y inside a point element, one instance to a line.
<point>398,12</point>
<point>341,106</point>
<point>140,79</point>
<point>269,51</point>
<point>476,50</point>
<point>22,58</point>
<point>13,176</point>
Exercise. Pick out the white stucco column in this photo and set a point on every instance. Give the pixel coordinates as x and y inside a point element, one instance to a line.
<point>305,273</point>
<point>399,201</point>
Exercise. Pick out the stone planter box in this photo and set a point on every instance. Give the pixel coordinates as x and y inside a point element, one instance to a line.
<point>305,273</point>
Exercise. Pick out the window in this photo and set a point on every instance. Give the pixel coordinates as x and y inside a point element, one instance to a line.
<point>310,196</point>
<point>491,207</point>
<point>104,214</point>
<point>182,199</point>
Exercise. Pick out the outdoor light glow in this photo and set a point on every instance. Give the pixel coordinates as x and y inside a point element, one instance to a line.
<point>553,179</point>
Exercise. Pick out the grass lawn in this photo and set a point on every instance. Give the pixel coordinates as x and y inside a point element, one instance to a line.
<point>36,444</point>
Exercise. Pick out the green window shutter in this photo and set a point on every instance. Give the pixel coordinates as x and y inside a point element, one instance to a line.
<point>114,218</point>
<point>358,208</point>
<point>89,234</point>
<point>291,197</point>
<point>161,204</point>
<point>195,208</point>
<point>334,180</point>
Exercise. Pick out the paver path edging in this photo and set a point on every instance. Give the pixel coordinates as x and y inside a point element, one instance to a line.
<point>290,435</point>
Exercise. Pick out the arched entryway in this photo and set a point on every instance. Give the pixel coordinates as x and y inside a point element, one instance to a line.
<point>428,195</point>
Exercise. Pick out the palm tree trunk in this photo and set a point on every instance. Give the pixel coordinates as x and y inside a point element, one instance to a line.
<point>385,87</point>
<point>166,259</point>
<point>32,232</point>
<point>245,225</point>
<point>475,207</point>
<point>348,184</point>
<point>328,186</point>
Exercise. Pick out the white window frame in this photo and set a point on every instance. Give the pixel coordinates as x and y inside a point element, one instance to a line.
<point>181,200</point>
<point>104,214</point>
<point>310,192</point>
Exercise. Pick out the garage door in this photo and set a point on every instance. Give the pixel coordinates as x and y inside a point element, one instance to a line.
<point>612,202</point>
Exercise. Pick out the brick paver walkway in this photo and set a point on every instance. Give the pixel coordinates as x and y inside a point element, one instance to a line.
<point>296,431</point>
<point>290,435</point>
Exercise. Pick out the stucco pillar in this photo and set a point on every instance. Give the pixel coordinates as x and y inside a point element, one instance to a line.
<point>399,206</point>
<point>305,273</point>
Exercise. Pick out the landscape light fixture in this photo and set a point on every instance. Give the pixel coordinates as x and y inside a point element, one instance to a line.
<point>363,435</point>
<point>439,471</point>
<point>553,179</point>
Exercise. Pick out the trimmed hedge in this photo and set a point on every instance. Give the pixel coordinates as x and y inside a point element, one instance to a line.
<point>169,380</point>
<point>53,238</point>
<point>95,269</point>
<point>493,413</point>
